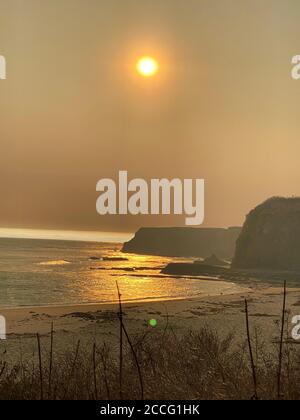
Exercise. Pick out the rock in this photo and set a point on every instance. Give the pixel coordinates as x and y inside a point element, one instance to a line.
<point>270,237</point>
<point>184,242</point>
<point>213,261</point>
<point>187,269</point>
<point>108,259</point>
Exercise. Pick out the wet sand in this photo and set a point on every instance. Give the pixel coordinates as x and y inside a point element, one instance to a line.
<point>90,323</point>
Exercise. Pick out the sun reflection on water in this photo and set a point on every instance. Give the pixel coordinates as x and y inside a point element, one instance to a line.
<point>48,273</point>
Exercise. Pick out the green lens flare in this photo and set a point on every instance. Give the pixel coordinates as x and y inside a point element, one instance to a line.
<point>153,322</point>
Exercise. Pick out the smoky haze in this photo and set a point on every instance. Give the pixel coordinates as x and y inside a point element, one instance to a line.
<point>72,110</point>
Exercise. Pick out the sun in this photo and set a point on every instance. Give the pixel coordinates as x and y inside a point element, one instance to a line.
<point>147,66</point>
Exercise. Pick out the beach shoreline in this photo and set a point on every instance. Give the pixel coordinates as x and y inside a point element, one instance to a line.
<point>18,317</point>
<point>222,313</point>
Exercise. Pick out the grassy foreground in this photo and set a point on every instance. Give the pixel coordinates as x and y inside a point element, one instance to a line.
<point>157,365</point>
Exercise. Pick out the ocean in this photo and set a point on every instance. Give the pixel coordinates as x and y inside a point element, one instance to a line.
<point>51,272</point>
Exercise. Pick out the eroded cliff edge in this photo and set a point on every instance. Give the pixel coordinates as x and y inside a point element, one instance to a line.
<point>270,237</point>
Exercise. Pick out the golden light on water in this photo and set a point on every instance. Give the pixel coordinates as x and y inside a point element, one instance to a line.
<point>147,66</point>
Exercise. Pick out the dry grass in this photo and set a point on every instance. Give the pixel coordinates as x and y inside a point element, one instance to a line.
<point>195,366</point>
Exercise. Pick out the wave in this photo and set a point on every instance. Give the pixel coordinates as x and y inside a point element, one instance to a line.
<point>55,262</point>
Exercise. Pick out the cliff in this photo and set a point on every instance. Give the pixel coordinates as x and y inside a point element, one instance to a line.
<point>270,237</point>
<point>184,242</point>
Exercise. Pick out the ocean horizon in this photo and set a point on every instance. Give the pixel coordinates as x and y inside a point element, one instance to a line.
<point>65,235</point>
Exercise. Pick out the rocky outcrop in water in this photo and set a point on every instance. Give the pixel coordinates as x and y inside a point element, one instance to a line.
<point>213,261</point>
<point>270,237</point>
<point>184,242</point>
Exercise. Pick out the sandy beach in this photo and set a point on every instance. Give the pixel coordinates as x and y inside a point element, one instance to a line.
<point>90,323</point>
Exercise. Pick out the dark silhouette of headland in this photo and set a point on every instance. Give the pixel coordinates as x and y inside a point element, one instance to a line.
<point>184,242</point>
<point>268,247</point>
<point>270,238</point>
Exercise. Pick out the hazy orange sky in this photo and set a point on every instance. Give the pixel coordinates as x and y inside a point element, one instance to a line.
<point>72,110</point>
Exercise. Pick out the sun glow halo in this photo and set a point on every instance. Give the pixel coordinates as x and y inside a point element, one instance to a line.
<point>147,66</point>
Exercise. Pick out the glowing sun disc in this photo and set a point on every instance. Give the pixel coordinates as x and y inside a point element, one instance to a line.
<point>147,66</point>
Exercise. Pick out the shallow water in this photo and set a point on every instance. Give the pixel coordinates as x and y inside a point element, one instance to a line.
<point>47,272</point>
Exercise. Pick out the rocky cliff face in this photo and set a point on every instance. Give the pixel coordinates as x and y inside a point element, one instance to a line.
<point>270,237</point>
<point>184,242</point>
